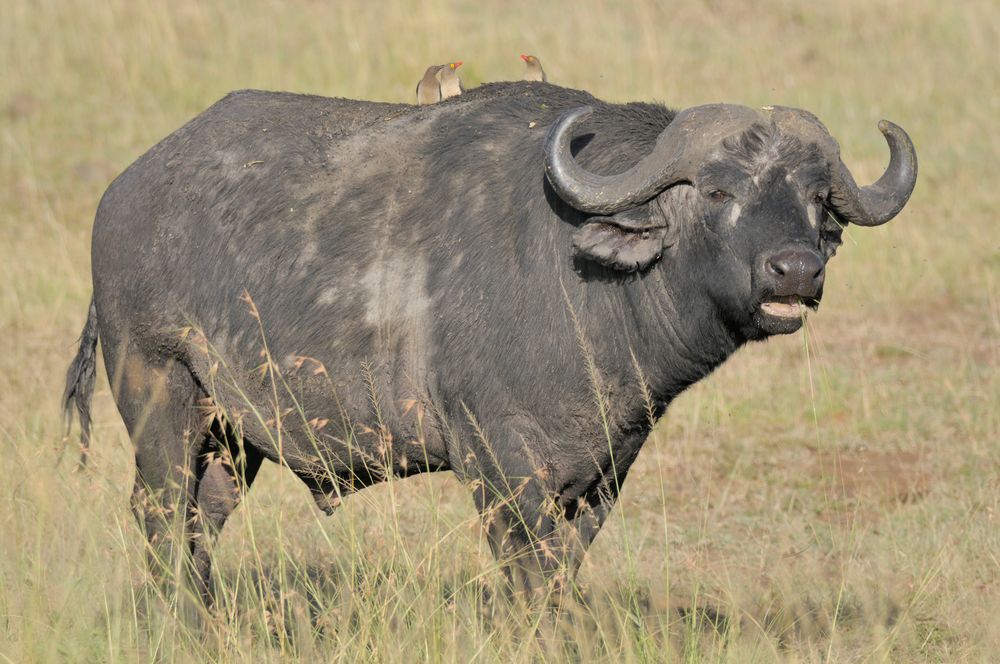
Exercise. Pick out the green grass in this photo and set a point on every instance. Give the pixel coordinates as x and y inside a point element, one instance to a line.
<point>830,496</point>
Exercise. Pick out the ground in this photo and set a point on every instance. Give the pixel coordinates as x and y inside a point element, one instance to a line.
<point>828,496</point>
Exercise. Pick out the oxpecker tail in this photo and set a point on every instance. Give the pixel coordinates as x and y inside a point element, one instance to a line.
<point>80,382</point>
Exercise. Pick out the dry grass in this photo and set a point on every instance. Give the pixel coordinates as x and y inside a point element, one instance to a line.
<point>831,496</point>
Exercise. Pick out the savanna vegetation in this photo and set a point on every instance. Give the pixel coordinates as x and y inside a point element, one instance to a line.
<point>825,497</point>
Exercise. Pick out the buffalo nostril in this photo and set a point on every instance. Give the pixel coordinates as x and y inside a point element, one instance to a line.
<point>778,266</point>
<point>817,273</point>
<point>812,266</point>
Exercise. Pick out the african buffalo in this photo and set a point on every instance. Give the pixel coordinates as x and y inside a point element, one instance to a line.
<point>511,285</point>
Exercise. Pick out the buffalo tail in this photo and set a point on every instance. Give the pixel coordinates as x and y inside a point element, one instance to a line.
<point>80,382</point>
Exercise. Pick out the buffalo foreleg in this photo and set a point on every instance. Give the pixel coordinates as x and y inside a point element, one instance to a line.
<point>522,523</point>
<point>584,523</point>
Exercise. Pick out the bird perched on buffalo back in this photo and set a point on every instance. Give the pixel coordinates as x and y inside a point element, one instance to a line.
<point>533,70</point>
<point>429,87</point>
<point>451,84</point>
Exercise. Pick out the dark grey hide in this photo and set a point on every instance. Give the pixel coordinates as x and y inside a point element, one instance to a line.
<point>429,302</point>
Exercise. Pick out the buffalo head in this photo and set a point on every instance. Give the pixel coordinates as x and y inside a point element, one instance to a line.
<point>759,198</point>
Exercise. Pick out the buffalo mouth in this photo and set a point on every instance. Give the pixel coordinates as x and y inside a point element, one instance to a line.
<point>789,306</point>
<point>784,314</point>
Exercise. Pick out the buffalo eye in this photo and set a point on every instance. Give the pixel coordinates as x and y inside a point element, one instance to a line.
<point>719,196</point>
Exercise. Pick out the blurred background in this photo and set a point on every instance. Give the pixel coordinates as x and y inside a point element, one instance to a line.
<point>829,496</point>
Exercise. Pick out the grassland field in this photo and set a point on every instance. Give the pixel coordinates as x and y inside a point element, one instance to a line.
<point>830,496</point>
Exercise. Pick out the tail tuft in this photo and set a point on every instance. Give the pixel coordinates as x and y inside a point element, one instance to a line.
<point>80,382</point>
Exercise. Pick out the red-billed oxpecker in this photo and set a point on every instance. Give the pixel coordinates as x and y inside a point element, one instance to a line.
<point>533,69</point>
<point>429,87</point>
<point>451,84</point>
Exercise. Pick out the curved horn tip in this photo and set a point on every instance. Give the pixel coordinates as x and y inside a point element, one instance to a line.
<point>897,138</point>
<point>888,127</point>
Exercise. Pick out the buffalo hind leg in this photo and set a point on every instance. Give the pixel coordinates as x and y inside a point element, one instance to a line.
<point>157,401</point>
<point>225,474</point>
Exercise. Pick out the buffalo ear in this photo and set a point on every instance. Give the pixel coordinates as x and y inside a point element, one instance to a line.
<point>618,245</point>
